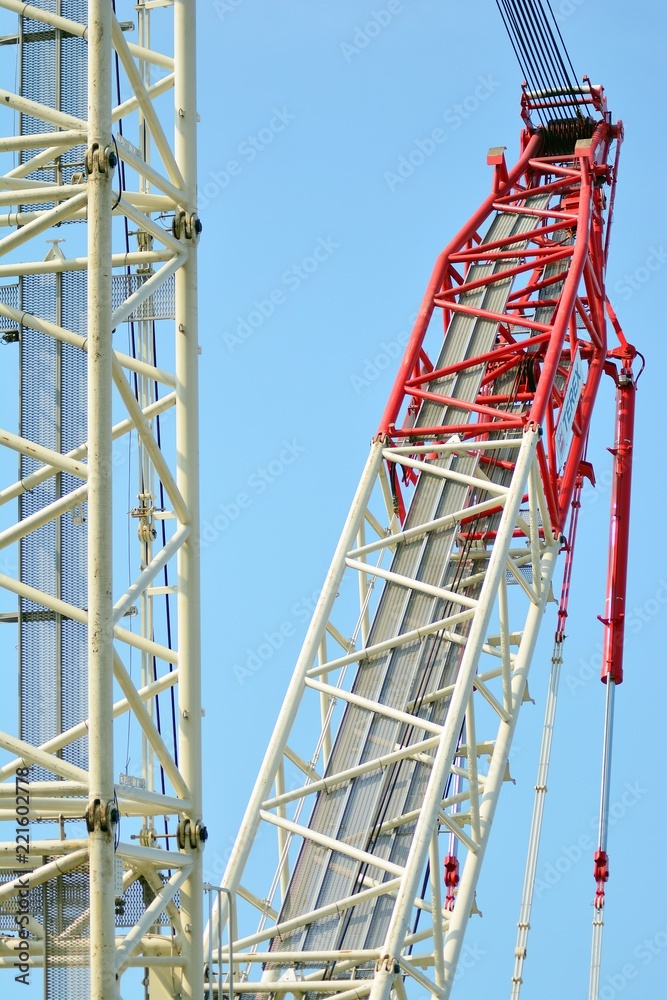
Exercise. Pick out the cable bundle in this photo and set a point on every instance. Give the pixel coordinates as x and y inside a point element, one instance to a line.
<point>540,50</point>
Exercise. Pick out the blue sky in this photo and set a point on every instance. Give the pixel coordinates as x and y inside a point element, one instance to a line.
<point>316,123</point>
<point>314,258</point>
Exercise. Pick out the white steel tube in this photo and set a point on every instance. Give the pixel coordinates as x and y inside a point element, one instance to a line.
<point>145,290</point>
<point>100,576</point>
<point>333,780</point>
<point>127,107</point>
<point>376,707</point>
<point>412,584</point>
<point>37,451</point>
<point>41,111</point>
<point>147,576</point>
<point>380,889</point>
<point>43,516</point>
<point>81,263</point>
<point>40,139</point>
<point>187,479</point>
<point>603,830</point>
<point>77,615</point>
<point>44,220</point>
<point>148,918</point>
<point>146,104</point>
<point>42,874</point>
<point>332,844</point>
<point>415,634</point>
<point>150,729</point>
<point>76,732</point>
<point>537,820</point>
<point>67,337</point>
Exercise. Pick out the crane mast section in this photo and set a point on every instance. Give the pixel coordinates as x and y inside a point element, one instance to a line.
<point>392,745</point>
<point>112,872</point>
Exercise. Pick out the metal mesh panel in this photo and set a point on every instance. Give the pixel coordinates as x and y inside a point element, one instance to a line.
<point>53,659</point>
<point>524,571</point>
<point>53,390</point>
<point>67,936</point>
<point>53,71</point>
<point>132,905</point>
<point>60,906</point>
<point>9,907</point>
<point>159,305</point>
<point>9,296</point>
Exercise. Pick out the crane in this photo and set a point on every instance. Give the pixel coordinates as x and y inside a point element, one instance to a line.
<point>97,865</point>
<point>382,777</point>
<point>391,748</point>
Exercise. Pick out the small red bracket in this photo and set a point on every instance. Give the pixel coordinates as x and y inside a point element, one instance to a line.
<point>451,879</point>
<point>496,158</point>
<point>601,875</point>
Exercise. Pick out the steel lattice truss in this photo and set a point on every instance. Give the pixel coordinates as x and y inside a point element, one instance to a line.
<point>147,187</point>
<point>392,745</point>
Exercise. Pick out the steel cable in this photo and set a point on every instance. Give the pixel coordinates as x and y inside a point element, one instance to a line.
<point>556,54</point>
<point>541,52</point>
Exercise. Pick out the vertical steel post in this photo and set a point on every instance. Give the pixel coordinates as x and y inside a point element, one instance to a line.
<point>187,477</point>
<point>100,814</point>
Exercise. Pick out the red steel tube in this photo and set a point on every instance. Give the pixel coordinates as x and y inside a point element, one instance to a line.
<point>619,534</point>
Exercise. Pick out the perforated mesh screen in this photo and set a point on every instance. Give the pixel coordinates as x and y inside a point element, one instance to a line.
<point>9,296</point>
<point>159,305</point>
<point>10,907</point>
<point>53,71</point>
<point>61,907</point>
<point>53,659</point>
<point>67,936</point>
<point>132,905</point>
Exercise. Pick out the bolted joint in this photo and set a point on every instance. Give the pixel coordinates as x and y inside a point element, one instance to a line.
<point>100,161</point>
<point>186,226</point>
<point>101,816</point>
<point>387,964</point>
<point>189,834</point>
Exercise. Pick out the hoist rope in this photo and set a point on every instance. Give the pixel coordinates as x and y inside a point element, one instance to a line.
<point>541,53</point>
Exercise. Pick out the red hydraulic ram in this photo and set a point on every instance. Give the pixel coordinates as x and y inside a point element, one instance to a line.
<point>619,534</point>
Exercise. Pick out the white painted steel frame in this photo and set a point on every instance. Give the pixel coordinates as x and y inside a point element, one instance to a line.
<point>487,694</point>
<point>168,164</point>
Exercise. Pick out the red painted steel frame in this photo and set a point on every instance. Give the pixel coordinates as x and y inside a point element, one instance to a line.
<point>571,233</point>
